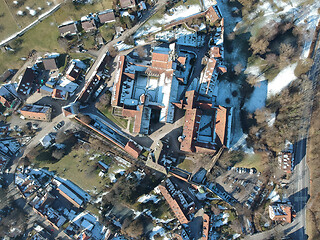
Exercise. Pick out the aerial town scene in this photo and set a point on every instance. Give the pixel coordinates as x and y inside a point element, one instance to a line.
<point>159,119</point>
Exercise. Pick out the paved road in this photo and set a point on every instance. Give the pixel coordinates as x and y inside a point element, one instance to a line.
<point>300,180</point>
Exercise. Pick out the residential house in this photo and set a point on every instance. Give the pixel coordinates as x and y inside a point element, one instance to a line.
<point>127,4</point>
<point>94,81</point>
<point>26,83</point>
<point>8,97</point>
<point>7,75</point>
<point>36,112</point>
<point>59,94</point>
<point>213,13</point>
<point>281,212</point>
<point>106,16</point>
<point>286,159</point>
<point>182,205</point>
<point>49,63</point>
<point>90,87</point>
<point>180,215</point>
<point>89,25</point>
<point>69,29</point>
<point>73,72</point>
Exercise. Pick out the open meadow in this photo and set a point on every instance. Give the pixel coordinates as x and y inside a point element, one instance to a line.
<point>43,37</point>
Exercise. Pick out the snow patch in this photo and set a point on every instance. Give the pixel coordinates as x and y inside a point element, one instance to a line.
<point>283,79</point>
<point>148,197</point>
<point>274,196</point>
<point>258,97</point>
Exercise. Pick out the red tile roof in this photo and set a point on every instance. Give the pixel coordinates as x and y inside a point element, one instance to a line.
<point>58,94</point>
<point>212,14</point>
<point>190,128</point>
<point>119,82</point>
<point>205,227</point>
<point>208,72</point>
<point>174,205</point>
<point>220,124</point>
<point>215,52</point>
<point>132,149</point>
<point>222,69</point>
<point>182,60</point>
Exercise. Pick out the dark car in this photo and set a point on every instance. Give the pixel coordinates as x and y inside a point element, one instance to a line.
<point>59,125</point>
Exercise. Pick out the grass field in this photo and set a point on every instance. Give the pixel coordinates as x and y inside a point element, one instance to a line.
<point>187,165</point>
<point>78,168</point>
<point>251,161</point>
<point>8,25</point>
<point>121,122</point>
<point>43,37</point>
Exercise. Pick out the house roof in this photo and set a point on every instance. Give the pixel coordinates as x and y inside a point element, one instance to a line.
<point>73,72</point>
<point>221,124</point>
<point>174,205</point>
<point>6,97</point>
<point>59,94</point>
<point>280,212</point>
<point>90,87</point>
<point>163,57</point>
<point>191,126</point>
<point>127,3</point>
<point>205,226</point>
<point>26,82</point>
<point>213,13</point>
<point>107,16</point>
<point>49,63</point>
<point>215,52</point>
<point>70,28</point>
<point>133,149</point>
<point>7,74</point>
<point>119,80</point>
<point>89,25</point>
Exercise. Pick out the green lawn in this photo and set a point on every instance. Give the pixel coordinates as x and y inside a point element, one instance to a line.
<point>43,37</point>
<point>69,11</point>
<point>187,165</point>
<point>8,24</point>
<point>251,161</point>
<point>88,41</point>
<point>78,168</point>
<point>107,31</point>
<point>121,122</point>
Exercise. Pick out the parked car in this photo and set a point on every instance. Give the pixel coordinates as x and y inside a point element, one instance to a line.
<point>59,125</point>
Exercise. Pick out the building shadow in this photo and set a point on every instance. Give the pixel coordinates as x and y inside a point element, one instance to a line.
<point>300,151</point>
<point>297,235</point>
<point>296,198</point>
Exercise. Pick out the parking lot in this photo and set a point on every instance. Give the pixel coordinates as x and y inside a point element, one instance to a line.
<point>242,183</point>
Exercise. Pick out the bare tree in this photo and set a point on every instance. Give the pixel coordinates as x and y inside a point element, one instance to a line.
<point>238,68</point>
<point>141,51</point>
